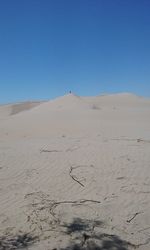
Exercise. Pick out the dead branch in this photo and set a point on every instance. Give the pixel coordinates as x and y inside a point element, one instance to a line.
<point>133,217</point>
<point>74,177</point>
<point>49,151</point>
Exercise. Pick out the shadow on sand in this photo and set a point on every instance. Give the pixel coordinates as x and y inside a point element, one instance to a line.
<point>82,234</point>
<point>82,231</point>
<point>16,242</point>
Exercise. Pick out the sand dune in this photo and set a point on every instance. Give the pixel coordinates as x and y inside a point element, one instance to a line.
<point>12,109</point>
<point>74,173</point>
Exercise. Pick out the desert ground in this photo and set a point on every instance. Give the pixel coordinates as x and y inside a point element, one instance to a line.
<point>75,173</point>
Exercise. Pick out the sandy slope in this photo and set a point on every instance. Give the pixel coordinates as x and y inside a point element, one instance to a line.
<point>12,109</point>
<point>75,174</point>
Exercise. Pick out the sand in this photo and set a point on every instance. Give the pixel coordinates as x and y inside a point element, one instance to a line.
<point>75,173</point>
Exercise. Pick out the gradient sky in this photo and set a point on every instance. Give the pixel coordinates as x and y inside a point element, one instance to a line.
<point>48,47</point>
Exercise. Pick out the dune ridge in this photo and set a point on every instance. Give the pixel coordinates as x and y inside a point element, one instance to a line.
<point>12,109</point>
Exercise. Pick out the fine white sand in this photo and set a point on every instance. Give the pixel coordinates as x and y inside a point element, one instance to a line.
<point>75,173</point>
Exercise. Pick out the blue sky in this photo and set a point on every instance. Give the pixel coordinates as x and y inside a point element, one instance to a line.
<point>48,47</point>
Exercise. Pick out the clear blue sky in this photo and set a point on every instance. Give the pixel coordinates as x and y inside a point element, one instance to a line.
<point>48,47</point>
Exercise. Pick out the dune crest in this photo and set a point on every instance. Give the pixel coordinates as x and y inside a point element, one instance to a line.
<point>12,109</point>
